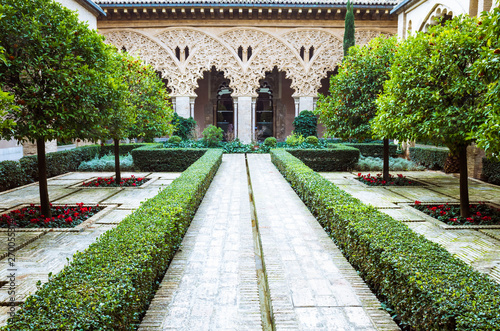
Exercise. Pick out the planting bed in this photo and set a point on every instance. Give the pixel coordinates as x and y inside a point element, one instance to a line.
<point>131,181</point>
<point>377,180</point>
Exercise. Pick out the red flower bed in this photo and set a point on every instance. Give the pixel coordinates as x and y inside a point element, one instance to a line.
<point>62,216</point>
<point>481,214</point>
<point>400,180</point>
<point>110,182</point>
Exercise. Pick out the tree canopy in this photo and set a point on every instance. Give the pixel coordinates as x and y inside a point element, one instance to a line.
<point>349,38</point>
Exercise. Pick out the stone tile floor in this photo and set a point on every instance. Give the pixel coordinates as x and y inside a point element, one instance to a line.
<point>39,252</point>
<point>478,247</point>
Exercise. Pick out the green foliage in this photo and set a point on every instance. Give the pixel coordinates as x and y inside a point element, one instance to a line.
<point>374,149</point>
<point>491,171</point>
<point>426,286</point>
<point>270,141</point>
<point>110,285</point>
<point>174,140</point>
<point>212,135</point>
<point>184,126</point>
<point>294,139</point>
<point>349,38</point>
<point>432,93</point>
<point>124,148</point>
<point>313,140</point>
<point>107,163</point>
<point>236,146</point>
<point>306,124</point>
<point>346,113</point>
<point>12,175</point>
<point>156,158</point>
<point>369,163</point>
<point>339,158</point>
<point>430,157</point>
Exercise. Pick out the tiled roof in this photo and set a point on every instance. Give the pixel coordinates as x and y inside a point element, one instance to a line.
<point>288,3</point>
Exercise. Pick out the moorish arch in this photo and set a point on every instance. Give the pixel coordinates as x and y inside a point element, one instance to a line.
<point>438,13</point>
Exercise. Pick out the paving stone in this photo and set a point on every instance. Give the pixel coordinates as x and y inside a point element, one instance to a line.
<point>115,216</point>
<point>133,197</point>
<point>4,314</point>
<point>63,182</point>
<point>166,175</point>
<point>86,175</point>
<point>494,233</point>
<point>476,192</point>
<point>404,215</point>
<point>423,194</point>
<point>20,239</point>
<point>30,194</point>
<point>211,283</point>
<point>312,286</point>
<point>88,195</point>
<point>162,182</point>
<point>378,197</point>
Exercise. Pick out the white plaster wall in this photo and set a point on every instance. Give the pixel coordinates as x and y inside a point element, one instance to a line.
<point>245,119</point>
<point>420,12</point>
<point>183,106</point>
<point>84,14</point>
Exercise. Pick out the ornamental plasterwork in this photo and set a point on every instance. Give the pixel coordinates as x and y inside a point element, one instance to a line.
<point>433,18</point>
<point>198,51</point>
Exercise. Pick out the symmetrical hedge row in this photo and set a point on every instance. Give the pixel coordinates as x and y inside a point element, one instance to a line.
<point>374,149</point>
<point>110,284</point>
<point>17,173</point>
<point>156,158</point>
<point>337,157</point>
<point>428,288</point>
<point>491,171</point>
<point>429,157</point>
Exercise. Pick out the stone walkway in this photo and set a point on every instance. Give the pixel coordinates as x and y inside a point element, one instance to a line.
<point>211,284</point>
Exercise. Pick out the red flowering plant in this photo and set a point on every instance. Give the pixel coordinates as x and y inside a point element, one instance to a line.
<point>131,181</point>
<point>62,216</point>
<point>378,180</point>
<point>481,214</point>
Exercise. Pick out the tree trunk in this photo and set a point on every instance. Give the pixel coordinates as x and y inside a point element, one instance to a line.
<point>464,184</point>
<point>385,173</point>
<point>42,178</point>
<point>118,176</point>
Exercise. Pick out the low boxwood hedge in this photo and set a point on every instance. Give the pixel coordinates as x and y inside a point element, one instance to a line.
<point>12,175</point>
<point>374,149</point>
<point>124,148</point>
<point>430,157</point>
<point>491,171</point>
<point>427,287</point>
<point>110,284</point>
<point>337,157</point>
<point>156,158</point>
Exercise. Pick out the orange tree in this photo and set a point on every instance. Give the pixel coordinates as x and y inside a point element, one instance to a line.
<point>52,62</point>
<point>432,93</point>
<point>346,113</point>
<point>137,105</point>
<point>488,67</point>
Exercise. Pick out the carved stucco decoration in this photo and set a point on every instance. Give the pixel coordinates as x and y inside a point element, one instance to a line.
<point>432,19</point>
<point>268,51</point>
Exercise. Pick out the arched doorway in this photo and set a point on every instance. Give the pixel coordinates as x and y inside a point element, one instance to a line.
<point>224,111</point>
<point>264,113</point>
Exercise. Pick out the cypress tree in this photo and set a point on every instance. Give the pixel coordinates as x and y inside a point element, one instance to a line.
<point>349,28</point>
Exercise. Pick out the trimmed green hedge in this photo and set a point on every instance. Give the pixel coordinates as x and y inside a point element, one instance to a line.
<point>124,148</point>
<point>12,175</point>
<point>336,158</point>
<point>428,287</point>
<point>110,285</point>
<point>374,149</point>
<point>430,157</point>
<point>157,158</point>
<point>491,171</point>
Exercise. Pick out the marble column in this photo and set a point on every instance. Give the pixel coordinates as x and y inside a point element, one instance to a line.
<point>182,106</point>
<point>244,118</point>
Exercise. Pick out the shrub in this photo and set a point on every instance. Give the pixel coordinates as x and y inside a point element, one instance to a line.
<point>430,157</point>
<point>341,158</point>
<point>156,158</point>
<point>427,287</point>
<point>184,127</point>
<point>395,164</point>
<point>270,141</point>
<point>491,171</point>
<point>294,139</point>
<point>107,163</point>
<point>306,124</point>
<point>12,175</point>
<point>374,149</point>
<point>212,135</point>
<point>236,146</point>
<point>312,140</point>
<point>110,285</point>
<point>124,148</point>
<point>175,140</point>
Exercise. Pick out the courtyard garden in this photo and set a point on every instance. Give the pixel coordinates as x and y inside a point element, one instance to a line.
<point>95,229</point>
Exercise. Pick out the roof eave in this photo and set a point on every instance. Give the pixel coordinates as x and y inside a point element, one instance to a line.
<point>402,6</point>
<point>92,7</point>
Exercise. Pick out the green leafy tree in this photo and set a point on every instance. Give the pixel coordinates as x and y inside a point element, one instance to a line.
<point>432,93</point>
<point>487,66</point>
<point>346,113</point>
<point>183,126</point>
<point>306,124</point>
<point>6,99</point>
<point>349,38</point>
<point>52,62</point>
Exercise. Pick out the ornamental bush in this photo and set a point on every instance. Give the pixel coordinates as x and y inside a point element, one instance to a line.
<point>313,140</point>
<point>184,127</point>
<point>339,158</point>
<point>306,124</point>
<point>491,171</point>
<point>427,287</point>
<point>174,140</point>
<point>430,157</point>
<point>157,158</point>
<point>270,141</point>
<point>110,285</point>
<point>212,135</point>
